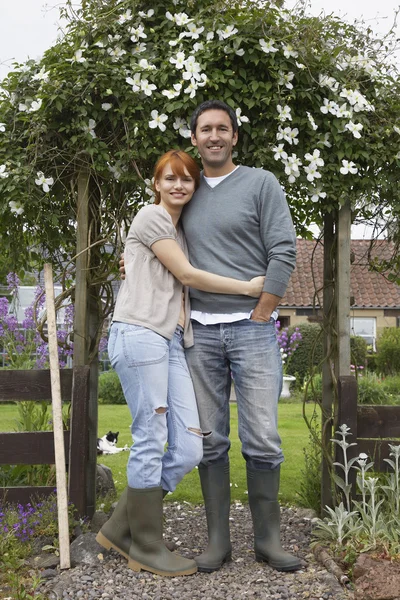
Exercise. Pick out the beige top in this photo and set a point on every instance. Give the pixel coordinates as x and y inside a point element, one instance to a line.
<point>150,295</point>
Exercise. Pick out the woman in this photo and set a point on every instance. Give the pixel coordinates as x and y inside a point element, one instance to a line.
<point>151,326</point>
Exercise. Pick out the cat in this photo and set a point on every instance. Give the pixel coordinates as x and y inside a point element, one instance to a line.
<point>108,444</point>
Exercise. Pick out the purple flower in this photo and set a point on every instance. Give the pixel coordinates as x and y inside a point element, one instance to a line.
<point>12,281</point>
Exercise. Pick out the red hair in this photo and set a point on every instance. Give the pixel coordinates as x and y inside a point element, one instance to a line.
<point>178,160</point>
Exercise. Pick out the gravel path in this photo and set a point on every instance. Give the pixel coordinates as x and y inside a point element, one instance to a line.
<point>241,579</point>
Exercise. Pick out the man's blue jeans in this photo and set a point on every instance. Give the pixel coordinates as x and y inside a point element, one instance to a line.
<point>159,392</point>
<point>249,351</point>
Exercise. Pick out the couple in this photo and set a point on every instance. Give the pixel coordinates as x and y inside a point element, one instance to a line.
<point>237,226</point>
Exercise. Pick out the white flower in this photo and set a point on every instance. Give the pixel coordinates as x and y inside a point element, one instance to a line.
<point>239,52</point>
<point>35,105</point>
<point>284,113</point>
<point>137,33</point>
<point>285,79</point>
<point>139,48</point>
<point>179,61</point>
<point>158,120</point>
<point>3,173</point>
<point>288,134</point>
<point>147,15</point>
<point>289,51</point>
<point>343,112</point>
<point>89,128</point>
<point>149,188</point>
<point>210,36</point>
<point>241,118</point>
<point>183,127</point>
<point>325,140</point>
<point>115,171</point>
<point>99,44</point>
<point>15,207</point>
<point>316,194</point>
<point>45,183</point>
<point>348,167</point>
<point>169,16</point>
<point>22,107</point>
<point>396,129</point>
<point>292,164</point>
<point>312,172</point>
<point>192,69</point>
<point>144,64</point>
<point>113,38</point>
<point>315,158</point>
<point>329,106</point>
<point>329,82</point>
<point>300,65</point>
<point>191,88</point>
<point>106,106</point>
<point>194,31</point>
<point>126,16</point>
<point>354,128</point>
<point>78,56</point>
<point>203,80</point>
<point>197,46</point>
<point>178,18</point>
<point>42,75</point>
<point>313,124</point>
<point>173,93</point>
<point>2,127</point>
<point>280,154</point>
<point>225,33</point>
<point>135,82</point>
<point>147,87</point>
<point>116,53</point>
<point>268,46</point>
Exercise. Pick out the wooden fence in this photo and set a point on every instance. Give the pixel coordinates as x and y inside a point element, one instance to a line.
<point>373,428</point>
<point>37,448</point>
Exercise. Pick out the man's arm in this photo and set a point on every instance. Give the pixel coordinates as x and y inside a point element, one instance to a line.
<point>265,307</point>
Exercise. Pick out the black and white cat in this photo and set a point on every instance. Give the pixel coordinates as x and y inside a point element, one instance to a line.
<point>108,444</point>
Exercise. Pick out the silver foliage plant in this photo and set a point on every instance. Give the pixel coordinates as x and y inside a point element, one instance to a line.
<point>372,522</point>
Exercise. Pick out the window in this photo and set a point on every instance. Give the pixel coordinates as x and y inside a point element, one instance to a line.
<point>365,327</point>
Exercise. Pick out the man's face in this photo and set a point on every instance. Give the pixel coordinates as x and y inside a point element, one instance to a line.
<point>215,139</point>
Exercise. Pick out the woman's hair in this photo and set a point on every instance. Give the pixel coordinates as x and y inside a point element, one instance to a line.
<point>178,161</point>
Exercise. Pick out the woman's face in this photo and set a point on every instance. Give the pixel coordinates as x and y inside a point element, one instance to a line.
<point>175,190</point>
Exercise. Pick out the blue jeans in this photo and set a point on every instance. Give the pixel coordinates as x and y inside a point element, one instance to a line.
<point>249,351</point>
<point>159,392</point>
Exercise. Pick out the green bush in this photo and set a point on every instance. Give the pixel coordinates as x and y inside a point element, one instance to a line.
<point>358,349</point>
<point>388,346</point>
<point>314,388</point>
<point>309,352</point>
<point>371,390</point>
<point>110,390</point>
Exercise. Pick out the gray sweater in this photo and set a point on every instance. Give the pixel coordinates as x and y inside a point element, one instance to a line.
<point>240,228</point>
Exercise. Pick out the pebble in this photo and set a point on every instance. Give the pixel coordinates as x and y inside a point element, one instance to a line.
<point>241,579</point>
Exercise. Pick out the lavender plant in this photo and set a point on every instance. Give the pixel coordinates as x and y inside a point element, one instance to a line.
<point>288,344</point>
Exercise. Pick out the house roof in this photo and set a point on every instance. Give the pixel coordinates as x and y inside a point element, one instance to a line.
<point>369,288</point>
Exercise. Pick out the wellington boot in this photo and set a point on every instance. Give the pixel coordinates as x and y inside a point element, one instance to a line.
<point>263,489</point>
<point>148,551</point>
<point>116,532</point>
<point>215,485</point>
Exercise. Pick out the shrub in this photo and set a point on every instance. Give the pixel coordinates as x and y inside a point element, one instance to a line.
<point>110,390</point>
<point>358,349</point>
<point>371,390</point>
<point>309,352</point>
<point>314,389</point>
<point>388,357</point>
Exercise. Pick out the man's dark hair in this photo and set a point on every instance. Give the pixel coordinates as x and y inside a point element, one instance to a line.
<point>213,105</point>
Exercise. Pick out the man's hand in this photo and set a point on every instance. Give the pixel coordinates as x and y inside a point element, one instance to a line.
<point>265,307</point>
<point>122,266</point>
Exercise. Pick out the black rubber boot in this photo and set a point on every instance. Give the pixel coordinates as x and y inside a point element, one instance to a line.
<point>148,551</point>
<point>116,532</point>
<point>215,485</point>
<point>263,487</point>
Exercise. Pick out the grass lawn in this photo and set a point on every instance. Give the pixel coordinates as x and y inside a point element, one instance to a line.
<point>292,429</point>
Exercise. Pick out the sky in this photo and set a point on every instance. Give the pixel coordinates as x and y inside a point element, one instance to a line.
<point>28,27</point>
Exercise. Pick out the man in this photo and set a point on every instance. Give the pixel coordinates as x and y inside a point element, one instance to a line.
<point>238,224</point>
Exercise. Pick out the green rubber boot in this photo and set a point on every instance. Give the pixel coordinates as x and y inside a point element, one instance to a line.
<point>148,551</point>
<point>215,485</point>
<point>263,487</point>
<point>116,532</point>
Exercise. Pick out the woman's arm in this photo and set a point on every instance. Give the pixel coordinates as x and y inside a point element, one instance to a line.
<point>172,257</point>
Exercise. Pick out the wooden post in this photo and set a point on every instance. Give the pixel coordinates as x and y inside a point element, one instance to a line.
<point>343,290</point>
<point>327,383</point>
<point>81,291</point>
<point>61,480</point>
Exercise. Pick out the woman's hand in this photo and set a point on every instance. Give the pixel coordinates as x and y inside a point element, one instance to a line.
<point>256,286</point>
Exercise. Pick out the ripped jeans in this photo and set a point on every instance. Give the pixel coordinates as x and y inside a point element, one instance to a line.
<point>158,390</point>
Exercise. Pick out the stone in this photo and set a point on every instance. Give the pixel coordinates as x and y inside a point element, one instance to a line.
<point>104,480</point>
<point>98,520</point>
<point>44,561</point>
<point>85,550</point>
<point>376,578</point>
